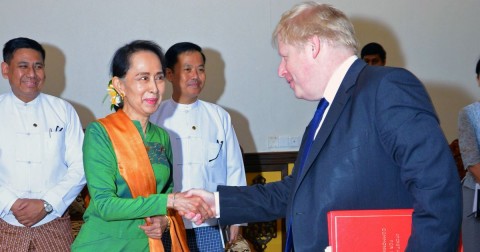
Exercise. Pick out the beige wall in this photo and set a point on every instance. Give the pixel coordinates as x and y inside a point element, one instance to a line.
<point>437,40</point>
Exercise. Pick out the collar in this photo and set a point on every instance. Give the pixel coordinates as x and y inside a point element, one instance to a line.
<point>337,78</point>
<point>22,103</point>
<point>184,107</point>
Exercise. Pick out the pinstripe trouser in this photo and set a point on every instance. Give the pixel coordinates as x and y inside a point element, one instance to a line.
<point>52,236</point>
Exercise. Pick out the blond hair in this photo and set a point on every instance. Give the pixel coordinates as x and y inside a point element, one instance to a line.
<point>309,19</point>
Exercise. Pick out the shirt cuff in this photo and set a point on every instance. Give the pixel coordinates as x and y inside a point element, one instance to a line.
<point>217,204</point>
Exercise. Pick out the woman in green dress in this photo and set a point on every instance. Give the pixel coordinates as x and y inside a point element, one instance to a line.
<point>128,161</point>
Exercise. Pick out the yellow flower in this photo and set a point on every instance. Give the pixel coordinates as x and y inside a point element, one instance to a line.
<point>115,97</point>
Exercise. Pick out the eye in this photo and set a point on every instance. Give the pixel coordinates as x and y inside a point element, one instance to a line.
<point>39,66</point>
<point>201,69</point>
<point>187,69</point>
<point>160,77</point>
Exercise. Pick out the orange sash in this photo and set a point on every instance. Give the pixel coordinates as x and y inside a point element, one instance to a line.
<point>135,167</point>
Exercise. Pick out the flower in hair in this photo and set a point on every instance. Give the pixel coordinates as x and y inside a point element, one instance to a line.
<point>115,98</point>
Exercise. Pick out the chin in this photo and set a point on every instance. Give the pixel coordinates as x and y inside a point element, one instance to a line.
<point>298,95</point>
<point>150,110</point>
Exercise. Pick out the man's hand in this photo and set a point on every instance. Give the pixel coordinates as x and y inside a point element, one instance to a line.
<point>155,226</point>
<point>28,211</point>
<point>234,231</point>
<point>209,200</point>
<point>190,207</point>
<point>475,171</point>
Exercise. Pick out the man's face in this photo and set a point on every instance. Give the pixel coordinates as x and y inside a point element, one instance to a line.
<point>297,67</point>
<point>26,73</point>
<point>188,77</point>
<point>373,60</point>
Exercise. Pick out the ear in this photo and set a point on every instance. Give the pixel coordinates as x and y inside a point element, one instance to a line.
<point>5,70</point>
<point>118,85</point>
<point>314,43</point>
<point>169,74</point>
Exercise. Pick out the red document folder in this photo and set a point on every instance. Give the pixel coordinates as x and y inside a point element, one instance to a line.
<point>369,230</point>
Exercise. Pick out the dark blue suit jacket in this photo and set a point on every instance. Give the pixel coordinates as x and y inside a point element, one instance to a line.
<point>380,147</point>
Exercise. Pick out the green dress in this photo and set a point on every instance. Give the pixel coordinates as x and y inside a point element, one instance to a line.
<point>113,217</point>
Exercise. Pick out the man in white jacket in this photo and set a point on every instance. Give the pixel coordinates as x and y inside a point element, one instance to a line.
<point>41,162</point>
<point>206,152</point>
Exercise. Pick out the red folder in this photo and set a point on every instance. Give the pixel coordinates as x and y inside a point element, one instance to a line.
<point>369,230</point>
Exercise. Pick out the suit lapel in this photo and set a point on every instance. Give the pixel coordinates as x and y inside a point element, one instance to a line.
<point>337,106</point>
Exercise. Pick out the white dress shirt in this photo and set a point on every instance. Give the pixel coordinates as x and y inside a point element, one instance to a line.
<point>334,84</point>
<point>40,154</point>
<point>206,152</point>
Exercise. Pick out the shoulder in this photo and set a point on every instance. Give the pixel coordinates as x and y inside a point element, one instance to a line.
<point>163,105</point>
<point>158,116</point>
<point>94,127</point>
<point>213,108</point>
<point>470,110</point>
<point>158,130</point>
<point>473,107</point>
<point>57,103</point>
<point>376,73</point>
<point>53,99</point>
<point>3,97</point>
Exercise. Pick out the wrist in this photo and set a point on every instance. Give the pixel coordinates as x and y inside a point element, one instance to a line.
<point>47,207</point>
<point>171,200</point>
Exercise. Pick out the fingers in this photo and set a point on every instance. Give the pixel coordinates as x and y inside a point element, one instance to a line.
<point>192,204</point>
<point>234,230</point>
<point>153,227</point>
<point>195,205</point>
<point>207,197</point>
<point>28,211</point>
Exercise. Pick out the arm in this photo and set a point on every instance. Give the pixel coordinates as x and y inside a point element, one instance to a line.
<point>67,170</point>
<point>67,189</point>
<point>255,203</point>
<point>109,193</point>
<point>410,132</point>
<point>235,167</point>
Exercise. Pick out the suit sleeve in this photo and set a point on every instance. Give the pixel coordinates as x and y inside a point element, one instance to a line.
<point>254,203</point>
<point>411,134</point>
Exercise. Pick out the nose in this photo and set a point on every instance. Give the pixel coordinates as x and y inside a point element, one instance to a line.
<point>195,74</point>
<point>281,69</point>
<point>32,72</point>
<point>154,85</point>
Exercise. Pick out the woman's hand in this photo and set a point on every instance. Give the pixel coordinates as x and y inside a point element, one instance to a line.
<point>196,207</point>
<point>155,226</point>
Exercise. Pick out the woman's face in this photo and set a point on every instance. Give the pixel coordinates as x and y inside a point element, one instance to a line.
<point>142,86</point>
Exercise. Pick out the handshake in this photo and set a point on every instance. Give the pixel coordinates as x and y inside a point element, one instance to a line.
<point>195,205</point>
